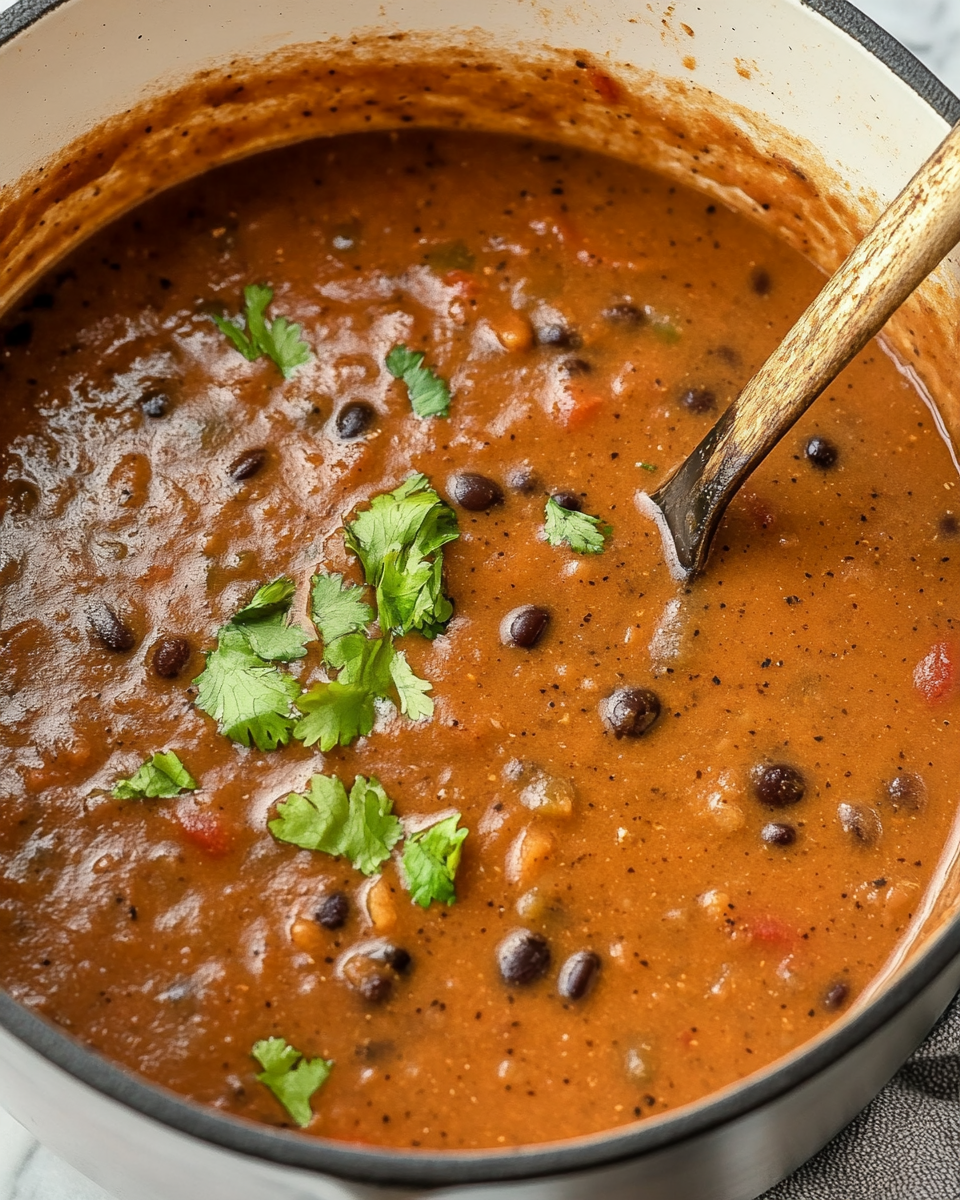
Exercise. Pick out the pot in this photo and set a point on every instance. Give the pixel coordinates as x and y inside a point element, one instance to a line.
<point>831,117</point>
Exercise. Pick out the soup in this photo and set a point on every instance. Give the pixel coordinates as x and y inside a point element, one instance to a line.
<point>364,769</point>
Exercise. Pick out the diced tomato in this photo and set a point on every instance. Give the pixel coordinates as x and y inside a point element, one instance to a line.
<point>576,407</point>
<point>935,675</point>
<point>606,88</point>
<point>770,929</point>
<point>204,829</point>
<point>464,282</point>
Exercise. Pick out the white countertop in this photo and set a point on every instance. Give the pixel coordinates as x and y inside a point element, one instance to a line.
<point>931,29</point>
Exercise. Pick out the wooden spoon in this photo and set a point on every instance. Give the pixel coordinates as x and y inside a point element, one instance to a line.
<point>901,249</point>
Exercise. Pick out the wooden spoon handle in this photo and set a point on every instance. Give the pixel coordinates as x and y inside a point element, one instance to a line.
<point>901,249</point>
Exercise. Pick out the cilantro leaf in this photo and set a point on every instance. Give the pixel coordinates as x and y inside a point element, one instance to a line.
<point>343,710</point>
<point>398,540</point>
<point>278,339</point>
<point>412,690</point>
<point>292,1078</point>
<point>580,531</point>
<point>360,827</point>
<point>335,714</point>
<point>338,610</point>
<point>249,699</point>
<point>263,623</point>
<point>164,776</point>
<point>429,394</point>
<point>313,821</point>
<point>430,861</point>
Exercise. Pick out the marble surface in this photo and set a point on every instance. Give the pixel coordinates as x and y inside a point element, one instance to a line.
<point>931,29</point>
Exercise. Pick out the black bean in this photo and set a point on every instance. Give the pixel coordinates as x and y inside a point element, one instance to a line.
<point>778,834</point>
<point>247,465</point>
<point>624,314</point>
<point>523,479</point>
<point>333,910</point>
<point>523,626</point>
<point>19,335</point>
<point>760,280</point>
<point>729,355</point>
<point>523,957</point>
<point>394,956</point>
<point>109,629</point>
<point>907,791</point>
<point>630,711</point>
<point>698,400</point>
<point>778,785</point>
<point>557,335</point>
<point>572,367</point>
<point>821,452</point>
<point>860,823</point>
<point>155,404</point>
<point>170,656</point>
<point>949,525</point>
<point>354,419</point>
<point>836,995</point>
<point>370,979</point>
<point>475,492</point>
<point>568,500</point>
<point>374,988</point>
<point>578,975</point>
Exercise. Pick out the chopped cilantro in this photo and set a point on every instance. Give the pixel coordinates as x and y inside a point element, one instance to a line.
<point>360,827</point>
<point>335,714</point>
<point>239,688</point>
<point>580,531</point>
<point>450,256</point>
<point>430,861</point>
<point>645,466</point>
<point>398,540</point>
<point>292,1078</point>
<point>412,690</point>
<point>278,339</point>
<point>340,711</point>
<point>429,394</point>
<point>262,623</point>
<point>662,327</point>
<point>338,610</point>
<point>164,776</point>
<point>248,698</point>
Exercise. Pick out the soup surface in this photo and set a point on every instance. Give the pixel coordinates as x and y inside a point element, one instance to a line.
<point>699,817</point>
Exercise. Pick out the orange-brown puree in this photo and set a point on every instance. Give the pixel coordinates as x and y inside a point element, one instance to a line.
<point>825,591</point>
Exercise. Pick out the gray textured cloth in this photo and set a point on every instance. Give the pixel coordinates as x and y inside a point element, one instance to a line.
<point>906,1145</point>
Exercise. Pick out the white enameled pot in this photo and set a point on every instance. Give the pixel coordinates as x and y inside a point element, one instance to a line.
<point>830,94</point>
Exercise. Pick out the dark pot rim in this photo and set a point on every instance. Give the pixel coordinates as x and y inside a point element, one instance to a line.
<point>368,1164</point>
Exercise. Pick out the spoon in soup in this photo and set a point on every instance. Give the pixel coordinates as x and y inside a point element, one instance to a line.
<point>910,238</point>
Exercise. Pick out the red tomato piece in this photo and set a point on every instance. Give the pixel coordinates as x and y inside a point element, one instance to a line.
<point>576,407</point>
<point>606,88</point>
<point>464,283</point>
<point>935,675</point>
<point>206,830</point>
<point>772,930</point>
